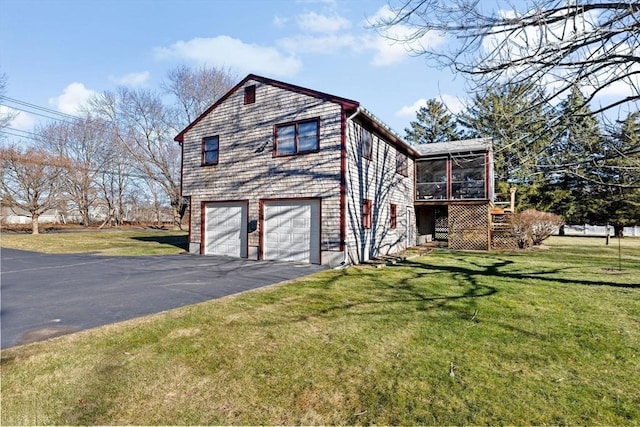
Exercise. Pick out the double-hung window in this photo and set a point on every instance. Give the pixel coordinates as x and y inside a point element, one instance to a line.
<point>393,216</point>
<point>367,213</point>
<point>250,94</point>
<point>297,138</point>
<point>402,164</point>
<point>210,150</point>
<point>366,144</point>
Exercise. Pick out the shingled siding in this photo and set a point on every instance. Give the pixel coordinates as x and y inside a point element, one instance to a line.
<point>247,169</point>
<point>377,180</point>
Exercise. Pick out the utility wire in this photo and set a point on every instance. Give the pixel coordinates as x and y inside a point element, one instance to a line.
<point>37,107</point>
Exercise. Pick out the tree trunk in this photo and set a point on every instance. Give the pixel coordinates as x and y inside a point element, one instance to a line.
<point>34,223</point>
<point>85,218</point>
<point>177,218</point>
<point>618,230</point>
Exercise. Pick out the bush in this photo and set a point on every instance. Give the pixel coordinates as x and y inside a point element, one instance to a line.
<point>532,227</point>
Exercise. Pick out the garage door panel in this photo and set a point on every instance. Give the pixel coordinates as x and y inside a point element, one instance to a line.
<point>292,230</point>
<point>226,229</point>
<point>284,238</point>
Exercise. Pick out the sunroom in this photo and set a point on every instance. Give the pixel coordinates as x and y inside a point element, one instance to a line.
<point>453,173</point>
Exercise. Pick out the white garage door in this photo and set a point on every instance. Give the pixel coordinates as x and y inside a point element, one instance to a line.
<point>292,230</point>
<point>226,229</point>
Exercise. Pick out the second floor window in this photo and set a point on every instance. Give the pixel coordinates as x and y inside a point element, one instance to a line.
<point>402,164</point>
<point>297,138</point>
<point>210,149</point>
<point>366,144</point>
<point>250,94</point>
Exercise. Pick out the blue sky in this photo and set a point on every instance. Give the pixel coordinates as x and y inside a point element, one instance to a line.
<point>56,53</point>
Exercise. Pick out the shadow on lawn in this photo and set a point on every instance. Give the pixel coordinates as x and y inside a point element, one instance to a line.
<point>381,297</point>
<point>543,275</point>
<point>419,291</point>
<point>177,241</point>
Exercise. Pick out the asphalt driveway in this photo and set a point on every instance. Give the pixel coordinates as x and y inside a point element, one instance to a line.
<point>49,295</point>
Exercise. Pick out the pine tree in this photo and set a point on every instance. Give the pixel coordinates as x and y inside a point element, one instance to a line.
<point>571,161</point>
<point>433,123</point>
<point>519,138</point>
<point>618,169</point>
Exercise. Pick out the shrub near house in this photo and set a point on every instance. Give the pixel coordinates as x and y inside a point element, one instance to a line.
<point>532,227</point>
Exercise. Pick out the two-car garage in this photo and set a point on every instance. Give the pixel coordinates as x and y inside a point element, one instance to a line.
<point>289,229</point>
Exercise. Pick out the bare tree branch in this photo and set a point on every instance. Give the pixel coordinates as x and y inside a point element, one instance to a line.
<point>591,45</point>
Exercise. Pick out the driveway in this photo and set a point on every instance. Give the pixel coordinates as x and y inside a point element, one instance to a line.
<point>49,295</point>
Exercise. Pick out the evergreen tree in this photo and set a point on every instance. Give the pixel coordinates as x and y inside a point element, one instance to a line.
<point>519,138</point>
<point>618,171</point>
<point>433,123</point>
<point>571,161</point>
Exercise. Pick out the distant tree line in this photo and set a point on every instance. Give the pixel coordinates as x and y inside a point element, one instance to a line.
<point>117,157</point>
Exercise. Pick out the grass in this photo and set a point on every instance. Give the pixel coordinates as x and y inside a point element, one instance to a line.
<point>539,337</point>
<point>107,242</point>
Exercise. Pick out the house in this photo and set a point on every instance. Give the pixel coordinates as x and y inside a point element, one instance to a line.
<point>276,171</point>
<point>14,215</point>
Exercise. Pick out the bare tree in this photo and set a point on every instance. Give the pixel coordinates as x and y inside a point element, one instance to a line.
<point>591,45</point>
<point>143,129</point>
<point>5,115</point>
<point>195,90</point>
<point>31,180</point>
<point>82,143</point>
<point>114,180</point>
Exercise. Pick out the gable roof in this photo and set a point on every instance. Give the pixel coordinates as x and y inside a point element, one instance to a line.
<point>347,104</point>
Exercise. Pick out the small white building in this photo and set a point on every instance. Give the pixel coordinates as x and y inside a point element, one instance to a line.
<point>14,215</point>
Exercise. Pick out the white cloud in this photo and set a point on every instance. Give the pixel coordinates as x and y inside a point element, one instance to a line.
<point>411,110</point>
<point>21,120</point>
<point>280,22</point>
<point>316,23</point>
<point>225,51</point>
<point>387,52</point>
<point>324,45</point>
<point>617,79</point>
<point>132,79</point>
<point>622,88</point>
<point>453,104</point>
<point>72,98</point>
<point>397,43</point>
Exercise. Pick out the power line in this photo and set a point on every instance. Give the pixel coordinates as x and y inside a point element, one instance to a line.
<point>64,116</point>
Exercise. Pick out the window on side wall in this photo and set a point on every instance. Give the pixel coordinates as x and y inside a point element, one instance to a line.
<point>210,150</point>
<point>366,144</point>
<point>393,216</point>
<point>297,138</point>
<point>367,213</point>
<point>250,94</point>
<point>402,164</point>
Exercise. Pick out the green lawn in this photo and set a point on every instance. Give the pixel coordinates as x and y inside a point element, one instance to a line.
<point>106,242</point>
<point>538,337</point>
